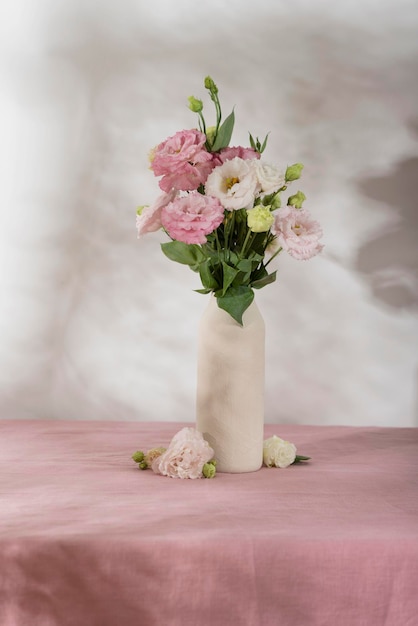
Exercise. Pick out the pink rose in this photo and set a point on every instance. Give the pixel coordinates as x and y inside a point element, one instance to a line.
<point>150,219</point>
<point>297,232</point>
<point>190,218</point>
<point>226,154</point>
<point>185,456</point>
<point>182,161</point>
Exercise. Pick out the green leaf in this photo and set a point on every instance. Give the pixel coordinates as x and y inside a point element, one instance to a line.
<point>255,257</point>
<point>266,280</point>
<point>206,275</point>
<point>245,265</point>
<point>188,254</point>
<point>276,202</point>
<point>204,291</point>
<point>229,273</point>
<point>261,272</point>
<point>263,147</point>
<point>224,133</point>
<point>299,458</point>
<point>243,278</point>
<point>258,244</point>
<point>236,301</point>
<point>209,251</point>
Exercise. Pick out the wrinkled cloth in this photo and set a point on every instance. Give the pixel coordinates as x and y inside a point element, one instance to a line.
<point>87,539</point>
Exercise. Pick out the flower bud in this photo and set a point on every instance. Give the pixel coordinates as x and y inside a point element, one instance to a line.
<point>259,219</point>
<point>140,209</point>
<point>293,172</point>
<point>210,85</point>
<point>195,104</point>
<point>138,456</point>
<point>209,470</point>
<point>297,200</point>
<point>210,135</point>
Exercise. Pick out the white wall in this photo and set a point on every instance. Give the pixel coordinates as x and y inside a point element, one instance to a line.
<point>97,325</point>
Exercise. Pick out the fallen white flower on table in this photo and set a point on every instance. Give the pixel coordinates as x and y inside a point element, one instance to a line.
<point>280,453</point>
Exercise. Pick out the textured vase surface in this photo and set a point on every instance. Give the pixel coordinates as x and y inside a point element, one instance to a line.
<point>230,387</point>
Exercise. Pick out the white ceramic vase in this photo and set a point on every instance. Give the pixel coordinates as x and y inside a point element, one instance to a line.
<point>230,387</point>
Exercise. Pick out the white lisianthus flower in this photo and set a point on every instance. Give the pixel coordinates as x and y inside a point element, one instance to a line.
<point>234,183</point>
<point>278,452</point>
<point>269,177</point>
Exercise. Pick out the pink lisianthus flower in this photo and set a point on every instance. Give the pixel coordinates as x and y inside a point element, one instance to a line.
<point>188,177</point>
<point>185,456</point>
<point>149,220</point>
<point>226,154</point>
<point>297,233</point>
<point>182,161</point>
<point>189,219</point>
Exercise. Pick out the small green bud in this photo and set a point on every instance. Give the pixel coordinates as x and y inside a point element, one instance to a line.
<point>209,470</point>
<point>293,172</point>
<point>210,85</point>
<point>195,104</point>
<point>211,135</point>
<point>297,200</point>
<point>140,209</point>
<point>143,465</point>
<point>138,456</point>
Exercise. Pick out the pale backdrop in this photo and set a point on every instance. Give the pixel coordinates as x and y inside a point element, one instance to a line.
<point>98,325</point>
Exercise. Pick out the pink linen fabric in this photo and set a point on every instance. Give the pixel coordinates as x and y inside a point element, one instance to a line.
<point>86,539</point>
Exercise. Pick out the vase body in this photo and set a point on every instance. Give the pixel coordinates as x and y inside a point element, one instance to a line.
<point>230,387</point>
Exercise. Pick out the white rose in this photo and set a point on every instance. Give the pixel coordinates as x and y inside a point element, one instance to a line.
<point>278,452</point>
<point>269,177</point>
<point>234,183</point>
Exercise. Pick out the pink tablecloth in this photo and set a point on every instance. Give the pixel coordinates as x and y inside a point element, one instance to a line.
<point>88,540</point>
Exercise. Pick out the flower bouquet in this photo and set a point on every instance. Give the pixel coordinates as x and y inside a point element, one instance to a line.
<point>222,208</point>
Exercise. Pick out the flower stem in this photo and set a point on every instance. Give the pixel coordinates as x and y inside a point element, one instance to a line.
<point>274,255</point>
<point>218,112</point>
<point>229,230</point>
<point>218,244</point>
<point>244,245</point>
<point>202,119</point>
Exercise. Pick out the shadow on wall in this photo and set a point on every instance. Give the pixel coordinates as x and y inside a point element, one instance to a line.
<point>390,261</point>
